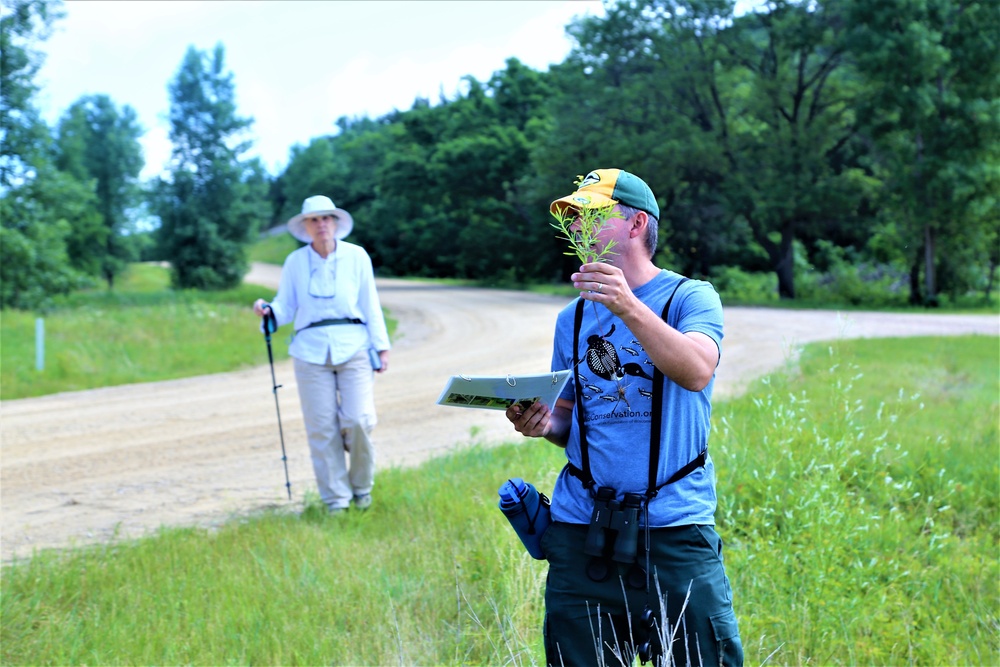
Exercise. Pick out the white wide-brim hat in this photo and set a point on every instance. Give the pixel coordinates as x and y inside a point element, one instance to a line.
<point>320,205</point>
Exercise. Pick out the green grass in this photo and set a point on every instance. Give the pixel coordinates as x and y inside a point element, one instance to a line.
<point>142,331</point>
<point>858,501</point>
<point>273,249</point>
<point>395,585</point>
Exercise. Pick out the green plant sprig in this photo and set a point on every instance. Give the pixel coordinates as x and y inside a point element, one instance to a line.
<point>590,222</point>
<point>583,243</point>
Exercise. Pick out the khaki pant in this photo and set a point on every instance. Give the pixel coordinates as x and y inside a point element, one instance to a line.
<point>338,407</point>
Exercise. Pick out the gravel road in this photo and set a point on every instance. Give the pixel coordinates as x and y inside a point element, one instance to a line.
<point>91,466</point>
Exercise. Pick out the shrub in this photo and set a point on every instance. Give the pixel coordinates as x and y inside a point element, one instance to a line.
<point>737,286</point>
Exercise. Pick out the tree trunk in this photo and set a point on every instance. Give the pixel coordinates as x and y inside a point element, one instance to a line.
<point>916,297</point>
<point>989,280</point>
<point>785,265</point>
<point>930,282</point>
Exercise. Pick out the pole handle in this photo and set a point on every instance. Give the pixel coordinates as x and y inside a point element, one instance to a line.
<point>269,320</point>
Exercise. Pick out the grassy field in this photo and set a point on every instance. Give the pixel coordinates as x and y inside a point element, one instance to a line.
<point>273,249</point>
<point>858,501</point>
<point>143,331</point>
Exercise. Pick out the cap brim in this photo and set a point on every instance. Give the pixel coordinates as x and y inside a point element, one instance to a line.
<point>578,200</point>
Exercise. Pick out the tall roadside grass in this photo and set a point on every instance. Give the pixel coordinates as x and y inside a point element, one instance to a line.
<point>142,331</point>
<point>273,249</point>
<point>858,501</point>
<point>429,575</point>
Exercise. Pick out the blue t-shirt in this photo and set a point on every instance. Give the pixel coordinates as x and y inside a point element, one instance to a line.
<point>616,378</point>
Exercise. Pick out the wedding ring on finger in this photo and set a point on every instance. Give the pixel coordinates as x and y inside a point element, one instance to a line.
<point>600,287</point>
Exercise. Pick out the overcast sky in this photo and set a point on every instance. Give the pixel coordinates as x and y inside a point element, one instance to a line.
<point>297,66</point>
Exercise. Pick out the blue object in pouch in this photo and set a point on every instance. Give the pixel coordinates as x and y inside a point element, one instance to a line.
<point>528,512</point>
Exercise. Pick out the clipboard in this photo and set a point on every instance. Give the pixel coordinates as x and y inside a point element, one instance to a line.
<point>499,393</point>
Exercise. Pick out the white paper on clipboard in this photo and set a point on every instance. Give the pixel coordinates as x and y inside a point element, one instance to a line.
<point>499,393</point>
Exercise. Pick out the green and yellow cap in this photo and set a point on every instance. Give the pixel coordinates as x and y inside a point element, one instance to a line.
<point>607,187</point>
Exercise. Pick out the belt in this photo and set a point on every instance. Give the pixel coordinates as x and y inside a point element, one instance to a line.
<point>327,323</point>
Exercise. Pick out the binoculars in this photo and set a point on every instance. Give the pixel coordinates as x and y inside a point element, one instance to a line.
<point>614,526</point>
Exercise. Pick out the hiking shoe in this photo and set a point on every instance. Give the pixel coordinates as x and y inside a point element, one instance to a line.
<point>337,511</point>
<point>363,502</point>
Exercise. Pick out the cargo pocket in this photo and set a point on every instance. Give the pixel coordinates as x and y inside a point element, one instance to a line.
<point>727,638</point>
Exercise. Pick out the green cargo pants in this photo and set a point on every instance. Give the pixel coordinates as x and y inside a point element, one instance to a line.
<point>591,623</point>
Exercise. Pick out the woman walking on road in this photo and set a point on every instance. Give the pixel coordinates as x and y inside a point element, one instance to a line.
<point>327,290</point>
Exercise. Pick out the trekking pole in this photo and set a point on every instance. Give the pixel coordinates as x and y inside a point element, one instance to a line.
<point>270,326</point>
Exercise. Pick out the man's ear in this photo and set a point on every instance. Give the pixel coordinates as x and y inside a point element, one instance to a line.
<point>639,223</point>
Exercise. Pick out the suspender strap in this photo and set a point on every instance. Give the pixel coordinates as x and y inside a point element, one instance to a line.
<point>656,420</point>
<point>584,475</point>
<point>326,323</point>
<point>687,469</point>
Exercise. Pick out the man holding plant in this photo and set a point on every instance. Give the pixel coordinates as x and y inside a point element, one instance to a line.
<point>635,564</point>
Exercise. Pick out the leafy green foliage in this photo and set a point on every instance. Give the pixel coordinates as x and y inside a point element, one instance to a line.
<point>24,24</point>
<point>932,108</point>
<point>846,278</point>
<point>434,189</point>
<point>213,203</point>
<point>98,143</point>
<point>766,136</point>
<point>581,229</point>
<point>40,207</point>
<point>37,221</point>
<point>738,287</point>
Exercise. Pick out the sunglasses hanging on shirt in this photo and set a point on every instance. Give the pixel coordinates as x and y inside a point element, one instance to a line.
<point>323,280</point>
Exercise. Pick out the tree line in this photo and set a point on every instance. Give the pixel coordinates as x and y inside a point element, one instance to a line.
<point>848,144</point>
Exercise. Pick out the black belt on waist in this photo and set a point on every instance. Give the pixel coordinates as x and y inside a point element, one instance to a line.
<point>327,323</point>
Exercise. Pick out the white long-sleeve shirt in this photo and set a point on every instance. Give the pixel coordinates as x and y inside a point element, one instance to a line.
<point>341,286</point>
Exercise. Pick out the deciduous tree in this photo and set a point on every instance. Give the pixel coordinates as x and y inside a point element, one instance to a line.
<point>213,201</point>
<point>99,144</point>
<point>932,109</point>
<point>36,201</point>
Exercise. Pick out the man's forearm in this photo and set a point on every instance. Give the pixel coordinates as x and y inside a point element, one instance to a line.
<point>559,421</point>
<point>685,359</point>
